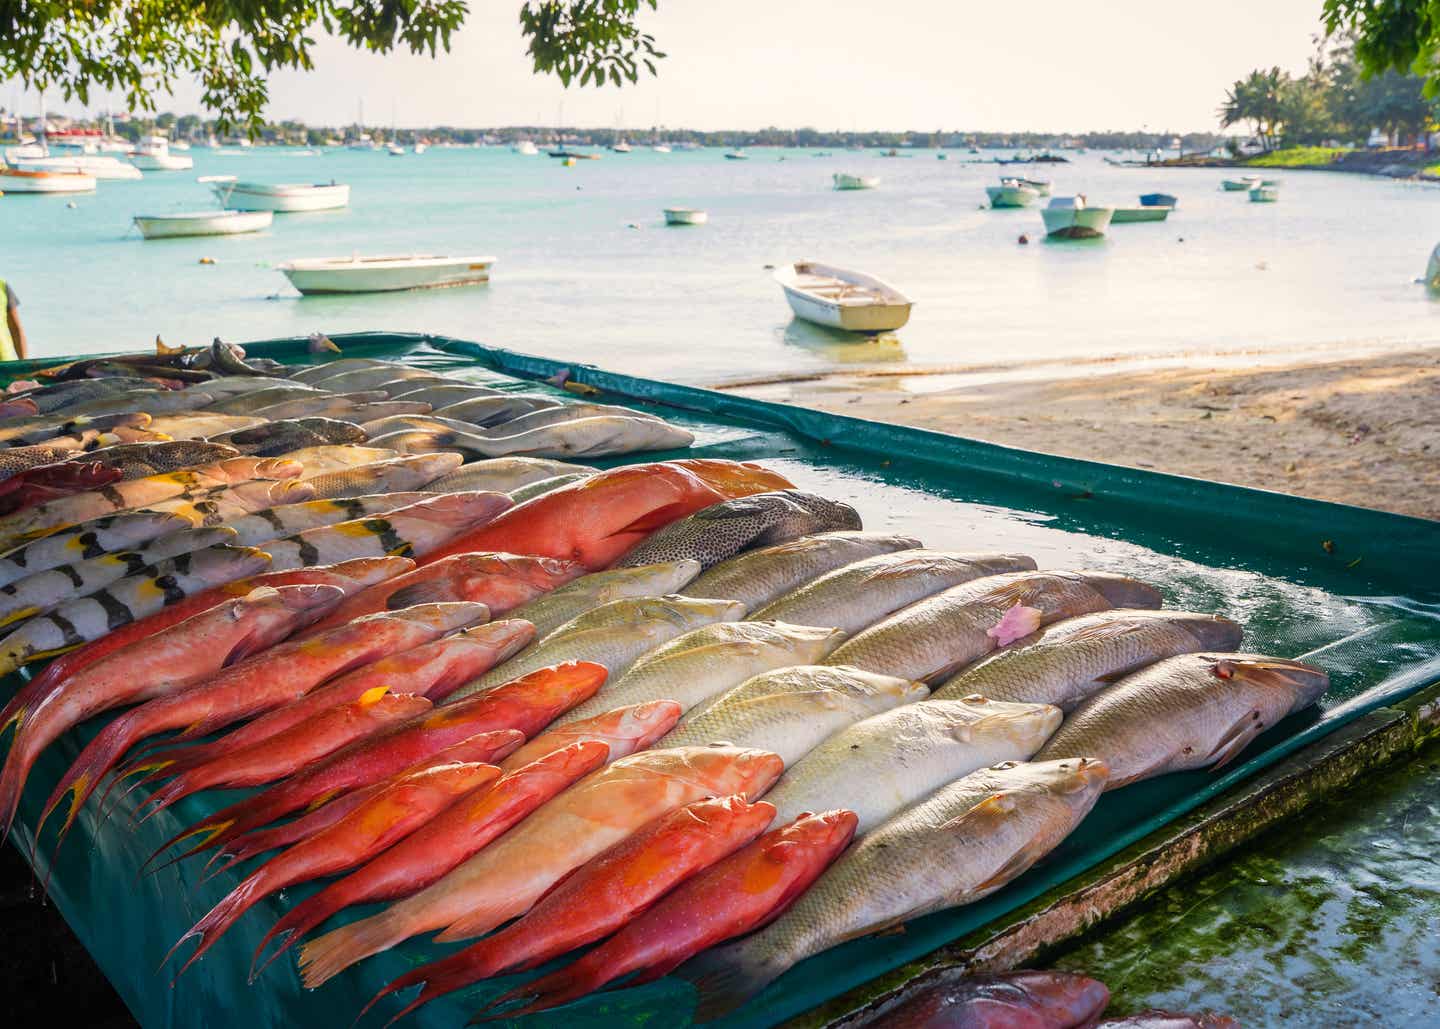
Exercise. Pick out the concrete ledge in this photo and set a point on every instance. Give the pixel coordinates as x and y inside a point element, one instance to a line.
<point>1127,879</point>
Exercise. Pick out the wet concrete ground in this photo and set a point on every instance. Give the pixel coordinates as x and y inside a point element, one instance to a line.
<point>1327,921</point>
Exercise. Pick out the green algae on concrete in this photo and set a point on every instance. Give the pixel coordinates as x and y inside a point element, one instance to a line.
<point>1329,920</point>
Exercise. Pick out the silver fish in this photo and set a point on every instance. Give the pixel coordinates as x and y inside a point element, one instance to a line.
<point>277,522</point>
<point>861,594</point>
<point>443,394</point>
<point>201,425</point>
<point>254,401</point>
<point>722,530</point>
<point>544,416</point>
<point>125,600</point>
<point>43,591</point>
<point>945,632</point>
<point>880,766</point>
<point>614,635</point>
<point>319,460</point>
<point>1187,712</point>
<point>1071,660</point>
<point>505,474</point>
<point>704,663</point>
<point>81,542</point>
<point>757,577</point>
<point>378,410</point>
<point>392,380</point>
<point>961,844</point>
<point>487,411</point>
<point>790,711</point>
<point>322,405</point>
<point>598,436</point>
<point>531,490</point>
<point>316,373</point>
<point>588,592</point>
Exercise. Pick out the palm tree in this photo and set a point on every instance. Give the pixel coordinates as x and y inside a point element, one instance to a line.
<point>1259,99</point>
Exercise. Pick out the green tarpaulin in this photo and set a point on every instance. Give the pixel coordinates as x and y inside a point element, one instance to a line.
<point>1355,590</point>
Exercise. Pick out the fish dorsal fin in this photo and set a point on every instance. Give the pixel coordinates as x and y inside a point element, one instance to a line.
<point>1100,631</point>
<point>1009,594</point>
<point>655,519</point>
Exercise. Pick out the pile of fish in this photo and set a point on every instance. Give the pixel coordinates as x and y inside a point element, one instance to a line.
<point>680,709</point>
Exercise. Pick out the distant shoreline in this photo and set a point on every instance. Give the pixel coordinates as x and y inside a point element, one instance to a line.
<point>1388,163</point>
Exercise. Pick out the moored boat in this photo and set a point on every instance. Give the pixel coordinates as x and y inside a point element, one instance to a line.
<point>1264,194</point>
<point>686,216</point>
<point>101,166</point>
<point>1157,200</point>
<point>385,273</point>
<point>526,148</point>
<point>153,154</point>
<point>395,150</point>
<point>841,298</point>
<point>1240,185</point>
<point>1139,214</point>
<point>18,180</point>
<point>1011,195</point>
<point>282,197</point>
<point>736,155</point>
<point>845,181</point>
<point>621,147</point>
<point>1073,218</point>
<point>202,223</point>
<point>1040,186</point>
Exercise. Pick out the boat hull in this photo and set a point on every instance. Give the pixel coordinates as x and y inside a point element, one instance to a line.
<point>1076,223</point>
<point>162,162</point>
<point>1011,196</point>
<point>321,278</point>
<point>685,216</point>
<point>1158,200</point>
<point>864,318</point>
<point>1139,214</point>
<point>844,182</point>
<point>46,182</point>
<point>207,223</point>
<point>247,197</point>
<point>1237,185</point>
<point>99,168</point>
<point>1264,195</point>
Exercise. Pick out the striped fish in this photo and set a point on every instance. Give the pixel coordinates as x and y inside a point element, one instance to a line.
<point>42,519</point>
<point>37,430</point>
<point>225,503</point>
<point>319,460</point>
<point>277,522</point>
<point>86,540</point>
<point>44,591</point>
<point>126,600</point>
<point>412,531</point>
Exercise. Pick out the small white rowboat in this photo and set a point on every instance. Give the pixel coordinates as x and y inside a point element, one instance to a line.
<point>385,274</point>
<point>1072,218</point>
<point>279,197</point>
<point>686,216</point>
<point>202,223</point>
<point>1139,214</point>
<point>16,180</point>
<point>844,181</point>
<point>842,299</point>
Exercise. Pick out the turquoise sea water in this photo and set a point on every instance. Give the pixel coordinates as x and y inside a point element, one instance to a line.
<point>588,270</point>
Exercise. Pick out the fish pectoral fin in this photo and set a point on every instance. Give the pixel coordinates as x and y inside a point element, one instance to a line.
<point>1017,863</point>
<point>1236,739</point>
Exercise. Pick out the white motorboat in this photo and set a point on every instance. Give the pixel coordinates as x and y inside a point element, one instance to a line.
<point>153,154</point>
<point>1011,195</point>
<point>101,166</point>
<point>621,147</point>
<point>386,273</point>
<point>1264,193</point>
<point>1240,185</point>
<point>844,181</point>
<point>18,180</point>
<point>660,148</point>
<point>180,146</point>
<point>842,299</point>
<point>1073,218</point>
<point>1040,186</point>
<point>526,147</point>
<point>283,198</point>
<point>395,150</point>
<point>686,216</point>
<point>202,223</point>
<point>736,155</point>
<point>1139,214</point>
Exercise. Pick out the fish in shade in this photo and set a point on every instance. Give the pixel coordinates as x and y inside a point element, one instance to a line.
<point>949,999</point>
<point>723,530</point>
<point>588,592</point>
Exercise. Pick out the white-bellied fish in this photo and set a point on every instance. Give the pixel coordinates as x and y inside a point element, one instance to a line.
<point>319,460</point>
<point>86,540</point>
<point>278,522</point>
<point>401,474</point>
<point>588,592</point>
<point>505,474</point>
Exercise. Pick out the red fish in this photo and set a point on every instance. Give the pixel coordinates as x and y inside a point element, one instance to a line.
<point>524,706</point>
<point>265,681</point>
<point>187,653</point>
<point>433,670</point>
<point>48,482</point>
<point>350,577</point>
<point>744,892</point>
<point>597,519</point>
<point>501,582</point>
<point>478,748</point>
<point>1006,1000</point>
<point>600,896</point>
<point>625,730</point>
<point>384,820</point>
<point>455,835</point>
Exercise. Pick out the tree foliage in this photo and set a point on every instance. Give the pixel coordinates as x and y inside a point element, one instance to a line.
<point>1401,36</point>
<point>141,48</point>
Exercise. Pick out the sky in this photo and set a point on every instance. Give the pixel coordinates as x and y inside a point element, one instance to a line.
<point>1041,65</point>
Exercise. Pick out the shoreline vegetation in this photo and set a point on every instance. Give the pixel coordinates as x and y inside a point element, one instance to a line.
<point>1390,162</point>
<point>1362,431</point>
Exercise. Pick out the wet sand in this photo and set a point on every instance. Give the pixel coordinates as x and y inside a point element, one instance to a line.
<point>1360,431</point>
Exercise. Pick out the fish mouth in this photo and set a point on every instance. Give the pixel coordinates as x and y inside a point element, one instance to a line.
<point>1122,591</point>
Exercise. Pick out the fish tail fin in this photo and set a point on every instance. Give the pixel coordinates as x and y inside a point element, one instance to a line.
<point>220,918</point>
<point>153,769</point>
<point>177,788</point>
<point>724,980</point>
<point>298,921</point>
<point>479,920</point>
<point>90,768</point>
<point>327,956</point>
<point>210,830</point>
<point>18,762</point>
<point>548,991</point>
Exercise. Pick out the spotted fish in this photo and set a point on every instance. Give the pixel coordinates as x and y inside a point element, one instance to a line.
<point>126,600</point>
<point>723,530</point>
<point>138,460</point>
<point>272,438</point>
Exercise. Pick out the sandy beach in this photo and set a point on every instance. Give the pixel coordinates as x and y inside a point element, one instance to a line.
<point>1359,431</point>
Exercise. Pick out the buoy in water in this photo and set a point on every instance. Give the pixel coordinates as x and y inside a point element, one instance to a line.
<point>1023,240</point>
<point>207,260</point>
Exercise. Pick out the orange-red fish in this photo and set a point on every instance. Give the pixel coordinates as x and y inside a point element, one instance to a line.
<point>624,730</point>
